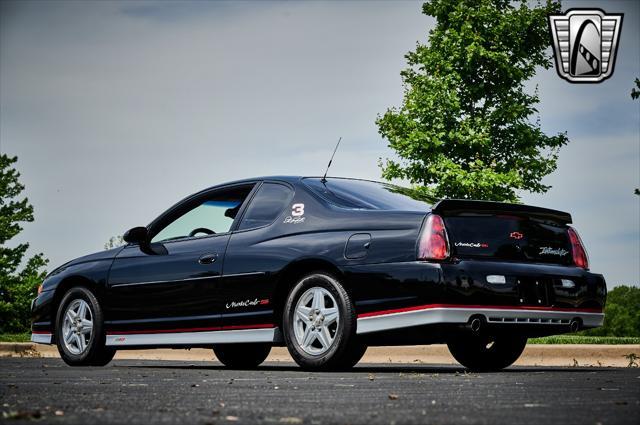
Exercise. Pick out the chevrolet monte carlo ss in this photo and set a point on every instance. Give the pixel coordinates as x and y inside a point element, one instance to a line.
<point>326,267</point>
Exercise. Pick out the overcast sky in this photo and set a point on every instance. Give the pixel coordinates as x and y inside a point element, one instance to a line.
<point>117,110</point>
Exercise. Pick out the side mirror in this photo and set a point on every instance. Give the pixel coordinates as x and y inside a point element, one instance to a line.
<point>136,235</point>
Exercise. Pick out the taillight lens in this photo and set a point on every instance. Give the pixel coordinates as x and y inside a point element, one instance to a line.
<point>434,244</point>
<point>580,257</point>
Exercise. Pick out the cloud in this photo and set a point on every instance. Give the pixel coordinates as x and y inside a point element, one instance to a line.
<point>119,109</point>
<point>108,107</point>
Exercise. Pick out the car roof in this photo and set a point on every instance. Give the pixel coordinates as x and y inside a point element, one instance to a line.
<point>288,179</point>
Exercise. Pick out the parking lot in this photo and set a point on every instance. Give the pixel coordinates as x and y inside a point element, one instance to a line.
<point>130,391</point>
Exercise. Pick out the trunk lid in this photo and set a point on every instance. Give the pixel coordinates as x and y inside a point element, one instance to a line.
<point>479,229</point>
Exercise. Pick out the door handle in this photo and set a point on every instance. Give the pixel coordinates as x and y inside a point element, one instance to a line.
<point>208,259</point>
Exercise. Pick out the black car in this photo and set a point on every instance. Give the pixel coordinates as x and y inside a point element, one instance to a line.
<point>326,267</point>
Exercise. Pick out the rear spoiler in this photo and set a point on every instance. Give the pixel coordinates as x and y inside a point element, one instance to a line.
<point>461,206</point>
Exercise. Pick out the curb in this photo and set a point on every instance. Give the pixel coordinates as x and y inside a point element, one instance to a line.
<point>19,349</point>
<point>598,355</point>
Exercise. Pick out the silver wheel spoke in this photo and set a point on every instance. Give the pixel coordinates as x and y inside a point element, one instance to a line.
<point>318,299</point>
<point>308,337</point>
<point>86,328</point>
<point>82,310</point>
<point>71,316</point>
<point>80,342</point>
<point>330,315</point>
<point>324,337</point>
<point>68,334</point>
<point>303,314</point>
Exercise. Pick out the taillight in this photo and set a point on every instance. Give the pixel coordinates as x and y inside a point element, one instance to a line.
<point>434,244</point>
<point>580,257</point>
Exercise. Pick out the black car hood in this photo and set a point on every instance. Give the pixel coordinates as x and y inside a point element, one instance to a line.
<point>108,254</point>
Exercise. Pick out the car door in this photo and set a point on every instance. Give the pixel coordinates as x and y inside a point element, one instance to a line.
<point>172,282</point>
<point>254,255</point>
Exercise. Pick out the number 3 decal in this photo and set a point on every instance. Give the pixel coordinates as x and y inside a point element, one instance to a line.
<point>297,210</point>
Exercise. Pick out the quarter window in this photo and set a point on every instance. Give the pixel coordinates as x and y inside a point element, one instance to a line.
<point>266,205</point>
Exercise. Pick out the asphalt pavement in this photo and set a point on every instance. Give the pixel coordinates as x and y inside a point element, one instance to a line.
<point>147,392</point>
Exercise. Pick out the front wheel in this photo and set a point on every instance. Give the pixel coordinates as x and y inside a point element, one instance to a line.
<point>242,356</point>
<point>79,330</point>
<point>319,324</point>
<point>486,354</point>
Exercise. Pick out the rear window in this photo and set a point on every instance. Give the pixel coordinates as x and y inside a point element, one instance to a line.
<point>363,194</point>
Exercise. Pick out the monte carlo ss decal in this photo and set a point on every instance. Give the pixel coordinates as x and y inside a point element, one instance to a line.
<point>239,268</point>
<point>246,303</point>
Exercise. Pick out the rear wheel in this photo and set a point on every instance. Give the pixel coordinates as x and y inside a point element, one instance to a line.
<point>485,354</point>
<point>79,330</point>
<point>242,356</point>
<point>319,324</point>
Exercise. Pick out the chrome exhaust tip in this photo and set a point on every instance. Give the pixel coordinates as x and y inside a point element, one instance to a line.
<point>476,324</point>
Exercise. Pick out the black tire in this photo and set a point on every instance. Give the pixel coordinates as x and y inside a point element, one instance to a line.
<point>95,353</point>
<point>486,354</point>
<point>104,357</point>
<point>242,356</point>
<point>353,356</point>
<point>344,350</point>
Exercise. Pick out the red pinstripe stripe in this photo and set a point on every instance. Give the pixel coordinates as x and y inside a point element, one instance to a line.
<point>40,332</point>
<point>182,330</point>
<point>484,307</point>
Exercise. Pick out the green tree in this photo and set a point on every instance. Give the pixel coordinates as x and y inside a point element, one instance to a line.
<point>17,287</point>
<point>114,242</point>
<point>465,127</point>
<point>621,313</point>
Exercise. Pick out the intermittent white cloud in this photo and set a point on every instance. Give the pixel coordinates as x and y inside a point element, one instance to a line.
<point>117,110</point>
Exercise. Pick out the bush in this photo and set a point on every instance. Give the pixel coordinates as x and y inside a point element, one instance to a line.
<point>622,313</point>
<point>18,286</point>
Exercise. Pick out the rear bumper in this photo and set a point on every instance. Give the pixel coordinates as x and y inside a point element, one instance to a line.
<point>460,314</point>
<point>541,296</point>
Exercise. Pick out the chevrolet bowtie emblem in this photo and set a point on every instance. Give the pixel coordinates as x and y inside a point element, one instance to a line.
<point>585,43</point>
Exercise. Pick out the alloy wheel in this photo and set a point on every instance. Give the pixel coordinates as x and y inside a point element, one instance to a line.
<point>316,321</point>
<point>77,327</point>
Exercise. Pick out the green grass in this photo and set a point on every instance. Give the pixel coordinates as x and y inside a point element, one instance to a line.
<point>581,339</point>
<point>25,337</point>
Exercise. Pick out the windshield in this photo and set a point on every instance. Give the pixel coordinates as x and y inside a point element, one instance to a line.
<point>364,194</point>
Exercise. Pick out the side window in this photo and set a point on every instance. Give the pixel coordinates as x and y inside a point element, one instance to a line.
<point>212,215</point>
<point>267,204</point>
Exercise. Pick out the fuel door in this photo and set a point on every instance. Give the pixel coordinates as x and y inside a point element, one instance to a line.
<point>357,246</point>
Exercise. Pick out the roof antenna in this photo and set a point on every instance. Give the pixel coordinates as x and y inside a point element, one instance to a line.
<point>324,178</point>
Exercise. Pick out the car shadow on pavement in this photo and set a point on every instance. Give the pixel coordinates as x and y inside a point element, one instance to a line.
<point>369,368</point>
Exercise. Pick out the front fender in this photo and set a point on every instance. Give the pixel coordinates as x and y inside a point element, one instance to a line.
<point>91,274</point>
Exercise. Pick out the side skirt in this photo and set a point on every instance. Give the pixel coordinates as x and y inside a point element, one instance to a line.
<point>191,338</point>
